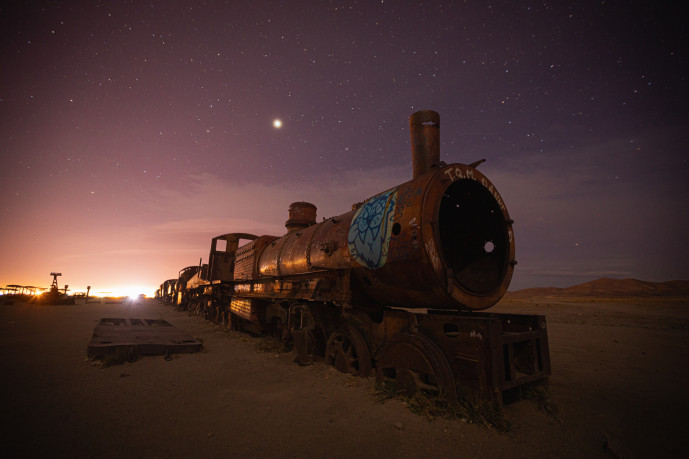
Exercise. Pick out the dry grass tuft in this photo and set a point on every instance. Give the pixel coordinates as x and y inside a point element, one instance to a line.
<point>431,406</point>
<point>271,344</point>
<point>540,395</point>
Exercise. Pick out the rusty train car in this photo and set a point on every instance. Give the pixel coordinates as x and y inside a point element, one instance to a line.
<point>395,286</point>
<point>166,292</point>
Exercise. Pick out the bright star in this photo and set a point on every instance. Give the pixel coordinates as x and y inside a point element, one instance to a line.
<point>277,124</point>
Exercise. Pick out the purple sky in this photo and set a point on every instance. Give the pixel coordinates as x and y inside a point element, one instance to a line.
<point>131,133</point>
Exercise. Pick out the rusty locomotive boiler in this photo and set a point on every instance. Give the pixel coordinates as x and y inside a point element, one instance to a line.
<point>394,286</point>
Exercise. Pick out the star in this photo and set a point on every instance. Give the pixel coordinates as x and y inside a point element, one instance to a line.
<point>277,123</point>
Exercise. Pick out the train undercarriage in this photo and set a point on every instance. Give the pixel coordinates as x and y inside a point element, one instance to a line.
<point>456,355</point>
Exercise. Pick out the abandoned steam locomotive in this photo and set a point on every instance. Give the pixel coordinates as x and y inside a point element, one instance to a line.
<point>394,285</point>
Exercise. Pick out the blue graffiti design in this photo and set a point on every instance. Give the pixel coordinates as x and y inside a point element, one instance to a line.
<point>369,233</point>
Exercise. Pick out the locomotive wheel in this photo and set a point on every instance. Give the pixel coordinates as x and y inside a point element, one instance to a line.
<point>416,363</point>
<point>346,350</point>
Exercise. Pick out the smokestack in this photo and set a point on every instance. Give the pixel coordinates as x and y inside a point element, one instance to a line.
<point>424,130</point>
<point>301,215</point>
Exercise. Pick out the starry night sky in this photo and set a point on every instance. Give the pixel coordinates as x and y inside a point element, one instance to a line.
<point>132,132</point>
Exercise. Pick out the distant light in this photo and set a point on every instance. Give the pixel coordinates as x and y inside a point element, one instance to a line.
<point>277,123</point>
<point>132,291</point>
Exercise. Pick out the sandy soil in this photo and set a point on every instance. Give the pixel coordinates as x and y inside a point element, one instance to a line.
<point>620,377</point>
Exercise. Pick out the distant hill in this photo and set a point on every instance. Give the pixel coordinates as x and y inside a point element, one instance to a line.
<point>606,287</point>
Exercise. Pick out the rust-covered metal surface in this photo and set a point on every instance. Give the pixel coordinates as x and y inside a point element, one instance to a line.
<point>393,284</point>
<point>221,261</point>
<point>442,240</point>
<point>245,260</point>
<point>139,337</point>
<point>424,136</point>
<point>465,354</point>
<point>167,290</point>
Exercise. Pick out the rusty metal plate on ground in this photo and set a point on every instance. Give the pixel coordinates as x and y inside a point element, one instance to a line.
<point>139,337</point>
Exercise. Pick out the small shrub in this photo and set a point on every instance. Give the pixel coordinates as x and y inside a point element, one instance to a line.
<point>271,344</point>
<point>431,406</point>
<point>539,393</point>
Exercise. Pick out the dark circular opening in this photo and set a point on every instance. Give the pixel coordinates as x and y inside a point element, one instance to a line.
<point>396,228</point>
<point>473,236</point>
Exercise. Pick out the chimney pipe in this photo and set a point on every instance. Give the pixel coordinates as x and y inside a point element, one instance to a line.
<point>424,130</point>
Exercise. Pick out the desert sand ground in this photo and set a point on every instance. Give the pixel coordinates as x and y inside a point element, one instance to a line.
<point>619,386</point>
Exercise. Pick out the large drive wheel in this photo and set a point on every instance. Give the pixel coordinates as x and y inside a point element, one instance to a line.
<point>346,350</point>
<point>415,363</point>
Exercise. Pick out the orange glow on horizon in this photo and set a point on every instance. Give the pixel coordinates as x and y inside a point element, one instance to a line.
<point>131,291</point>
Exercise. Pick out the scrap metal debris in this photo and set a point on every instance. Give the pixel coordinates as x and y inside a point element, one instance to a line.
<point>137,337</point>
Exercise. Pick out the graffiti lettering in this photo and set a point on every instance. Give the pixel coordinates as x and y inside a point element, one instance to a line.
<point>460,173</point>
<point>405,198</point>
<point>475,334</point>
<point>433,254</point>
